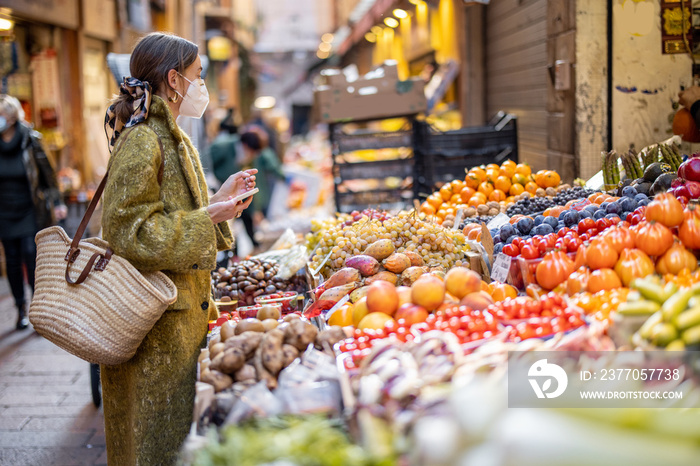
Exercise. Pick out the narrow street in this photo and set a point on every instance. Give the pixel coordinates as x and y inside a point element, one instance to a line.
<point>46,412</point>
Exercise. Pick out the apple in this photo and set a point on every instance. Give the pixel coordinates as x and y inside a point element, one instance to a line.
<point>460,281</point>
<point>382,297</point>
<point>428,291</point>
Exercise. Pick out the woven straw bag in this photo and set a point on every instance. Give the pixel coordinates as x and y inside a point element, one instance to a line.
<point>104,314</point>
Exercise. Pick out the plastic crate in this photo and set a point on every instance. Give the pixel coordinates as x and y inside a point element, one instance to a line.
<point>385,199</point>
<point>444,156</point>
<point>401,168</point>
<point>366,140</point>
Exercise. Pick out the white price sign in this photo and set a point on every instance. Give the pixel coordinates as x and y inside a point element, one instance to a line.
<point>501,268</point>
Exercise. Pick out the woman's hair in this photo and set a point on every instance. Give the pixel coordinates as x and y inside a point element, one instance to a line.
<point>262,135</point>
<point>11,107</point>
<point>251,140</point>
<point>153,57</point>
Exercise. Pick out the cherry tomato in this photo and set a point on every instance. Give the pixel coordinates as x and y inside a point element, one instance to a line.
<point>517,242</point>
<point>603,223</point>
<point>529,252</point>
<point>562,232</point>
<point>585,225</point>
<point>511,250</point>
<point>615,220</point>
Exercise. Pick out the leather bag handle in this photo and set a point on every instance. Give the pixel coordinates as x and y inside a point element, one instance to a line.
<point>74,250</point>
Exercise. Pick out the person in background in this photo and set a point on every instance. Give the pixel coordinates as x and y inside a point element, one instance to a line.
<point>690,99</point>
<point>269,172</point>
<point>29,199</point>
<point>246,154</point>
<point>169,225</point>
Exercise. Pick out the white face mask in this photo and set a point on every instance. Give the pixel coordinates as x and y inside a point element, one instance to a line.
<point>3,124</point>
<point>195,101</point>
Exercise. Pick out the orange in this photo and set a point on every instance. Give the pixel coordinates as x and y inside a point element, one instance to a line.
<point>502,183</point>
<point>502,291</point>
<point>539,178</point>
<point>474,235</point>
<point>516,189</point>
<point>359,311</point>
<point>531,187</point>
<point>507,170</point>
<point>492,175</point>
<point>510,199</point>
<point>455,199</point>
<point>434,200</point>
<point>446,192</point>
<point>486,188</point>
<point>473,180</point>
<point>551,179</point>
<point>520,179</point>
<point>427,209</point>
<point>375,321</point>
<point>476,201</point>
<point>467,193</point>
<point>523,169</point>
<point>478,172</point>
<point>556,211</point>
<point>497,195</point>
<point>457,186</point>
<point>492,166</point>
<point>342,316</point>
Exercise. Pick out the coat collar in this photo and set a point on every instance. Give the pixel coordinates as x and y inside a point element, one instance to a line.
<point>189,158</point>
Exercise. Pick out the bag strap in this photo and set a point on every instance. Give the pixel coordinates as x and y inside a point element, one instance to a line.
<point>74,250</point>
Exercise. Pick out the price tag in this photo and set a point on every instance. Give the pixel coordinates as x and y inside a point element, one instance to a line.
<point>498,221</point>
<point>501,268</point>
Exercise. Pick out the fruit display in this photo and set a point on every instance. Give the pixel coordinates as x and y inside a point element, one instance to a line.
<point>368,241</point>
<point>651,171</point>
<point>489,190</point>
<point>687,184</point>
<point>246,280</point>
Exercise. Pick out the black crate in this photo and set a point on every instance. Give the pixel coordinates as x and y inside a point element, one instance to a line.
<point>402,168</point>
<point>365,140</point>
<point>383,199</point>
<point>444,156</point>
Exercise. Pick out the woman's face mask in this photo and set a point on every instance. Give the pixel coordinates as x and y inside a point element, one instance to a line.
<point>195,101</point>
<point>4,124</point>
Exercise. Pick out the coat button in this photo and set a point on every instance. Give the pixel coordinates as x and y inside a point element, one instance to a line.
<point>195,266</point>
<point>205,305</point>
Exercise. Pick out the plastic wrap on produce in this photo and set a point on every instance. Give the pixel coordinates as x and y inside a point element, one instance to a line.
<point>292,262</point>
<point>256,401</point>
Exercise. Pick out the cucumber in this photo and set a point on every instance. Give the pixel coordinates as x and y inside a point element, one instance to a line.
<point>645,330</point>
<point>663,334</point>
<point>676,304</point>
<point>649,290</point>
<point>691,336</point>
<point>638,308</point>
<point>676,345</point>
<point>687,319</point>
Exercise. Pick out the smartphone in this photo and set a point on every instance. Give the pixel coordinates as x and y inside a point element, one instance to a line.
<point>243,196</point>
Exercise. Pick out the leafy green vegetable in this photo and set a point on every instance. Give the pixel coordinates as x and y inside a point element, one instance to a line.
<point>307,441</point>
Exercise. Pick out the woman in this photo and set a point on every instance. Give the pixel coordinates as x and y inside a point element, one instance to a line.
<point>171,226</point>
<point>28,195</point>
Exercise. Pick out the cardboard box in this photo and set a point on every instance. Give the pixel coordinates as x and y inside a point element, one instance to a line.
<point>378,94</point>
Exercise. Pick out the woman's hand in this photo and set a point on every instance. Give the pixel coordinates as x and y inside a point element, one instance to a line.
<point>60,212</point>
<point>226,210</point>
<point>235,185</point>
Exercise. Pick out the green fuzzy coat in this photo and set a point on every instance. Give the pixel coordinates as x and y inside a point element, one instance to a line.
<point>149,400</point>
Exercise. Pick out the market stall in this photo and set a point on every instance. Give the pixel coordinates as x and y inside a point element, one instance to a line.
<point>411,323</point>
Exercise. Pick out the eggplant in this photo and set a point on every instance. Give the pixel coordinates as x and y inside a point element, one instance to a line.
<point>643,188</point>
<point>652,172</point>
<point>662,184</point>
<point>637,182</point>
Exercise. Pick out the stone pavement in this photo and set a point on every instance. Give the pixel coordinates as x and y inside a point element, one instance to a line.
<point>46,412</point>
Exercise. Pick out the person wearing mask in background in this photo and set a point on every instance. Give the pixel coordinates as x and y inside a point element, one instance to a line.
<point>169,225</point>
<point>269,172</point>
<point>29,199</point>
<point>246,153</point>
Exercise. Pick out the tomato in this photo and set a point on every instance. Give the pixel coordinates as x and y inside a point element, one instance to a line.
<point>665,209</point>
<point>555,267</point>
<point>633,263</point>
<point>517,242</point>
<point>603,279</point>
<point>601,254</point>
<point>620,238</point>
<point>689,231</point>
<point>654,238</point>
<point>676,259</point>
<point>603,223</point>
<point>615,220</point>
<point>511,250</point>
<point>577,281</point>
<point>529,252</point>
<point>593,232</point>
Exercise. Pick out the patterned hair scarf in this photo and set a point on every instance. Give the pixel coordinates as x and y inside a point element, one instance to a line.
<point>140,92</point>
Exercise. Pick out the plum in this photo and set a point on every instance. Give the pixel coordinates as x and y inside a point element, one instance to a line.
<point>643,202</point>
<point>599,214</point>
<point>628,204</point>
<point>507,231</point>
<point>593,208</point>
<point>571,218</point>
<point>498,248</point>
<point>629,191</point>
<point>612,216</point>
<point>640,197</point>
<point>525,225</point>
<point>539,220</point>
<point>543,229</point>
<point>585,213</point>
<point>613,208</point>
<point>551,221</point>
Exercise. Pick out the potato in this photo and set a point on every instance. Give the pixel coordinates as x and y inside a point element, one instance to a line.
<point>328,338</point>
<point>214,340</point>
<point>272,357</point>
<point>270,324</point>
<point>215,364</point>
<point>289,354</point>
<point>247,342</point>
<point>247,372</point>
<point>215,350</point>
<point>232,360</point>
<point>204,365</point>
<point>227,330</point>
<point>249,325</point>
<point>203,354</point>
<point>261,372</point>
<point>291,317</point>
<point>299,334</point>
<point>219,380</point>
<point>269,312</point>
